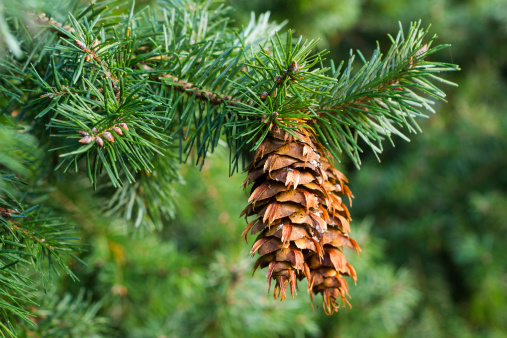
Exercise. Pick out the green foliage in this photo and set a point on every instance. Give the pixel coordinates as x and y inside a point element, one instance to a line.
<point>117,94</point>
<point>151,200</point>
<point>185,74</point>
<point>384,93</point>
<point>67,316</point>
<point>31,238</point>
<point>455,224</point>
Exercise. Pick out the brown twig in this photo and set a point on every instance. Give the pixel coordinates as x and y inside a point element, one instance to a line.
<point>364,99</point>
<point>33,238</point>
<point>7,213</point>
<point>189,89</point>
<point>413,61</point>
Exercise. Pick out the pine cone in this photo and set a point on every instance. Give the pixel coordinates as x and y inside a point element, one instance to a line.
<point>301,218</point>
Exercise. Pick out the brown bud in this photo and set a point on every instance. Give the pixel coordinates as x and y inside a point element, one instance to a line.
<point>422,50</point>
<point>108,136</point>
<point>278,79</point>
<point>87,58</point>
<point>99,141</point>
<point>7,213</point>
<point>86,140</point>
<point>274,114</point>
<point>117,130</point>
<point>94,130</point>
<point>264,117</point>
<point>84,133</point>
<point>80,44</point>
<point>124,126</point>
<point>264,96</point>
<point>95,43</point>
<point>47,95</point>
<point>293,66</point>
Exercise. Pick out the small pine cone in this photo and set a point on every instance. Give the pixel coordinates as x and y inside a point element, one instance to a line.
<point>302,221</point>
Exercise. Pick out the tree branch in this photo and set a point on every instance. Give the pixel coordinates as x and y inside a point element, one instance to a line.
<point>182,85</point>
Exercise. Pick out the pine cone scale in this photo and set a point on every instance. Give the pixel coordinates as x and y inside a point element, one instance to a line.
<point>302,220</point>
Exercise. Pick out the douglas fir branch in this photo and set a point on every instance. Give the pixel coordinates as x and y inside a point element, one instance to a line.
<point>123,98</point>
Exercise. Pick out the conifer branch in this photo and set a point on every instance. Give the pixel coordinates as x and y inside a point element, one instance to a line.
<point>168,79</point>
<point>31,239</point>
<point>341,108</point>
<point>386,93</point>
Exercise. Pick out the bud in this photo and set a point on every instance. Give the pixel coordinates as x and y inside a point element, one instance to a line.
<point>95,43</point>
<point>264,117</point>
<point>293,66</point>
<point>80,44</point>
<point>7,213</point>
<point>99,141</point>
<point>87,58</point>
<point>124,126</point>
<point>94,130</point>
<point>278,79</point>
<point>86,140</point>
<point>47,95</point>
<point>108,136</point>
<point>274,114</point>
<point>422,50</point>
<point>84,133</point>
<point>264,96</point>
<point>117,130</point>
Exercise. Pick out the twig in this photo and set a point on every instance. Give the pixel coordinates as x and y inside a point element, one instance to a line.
<point>189,89</point>
<point>33,238</point>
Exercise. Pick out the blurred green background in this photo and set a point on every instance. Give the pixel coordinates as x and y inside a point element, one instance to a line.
<point>430,217</point>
